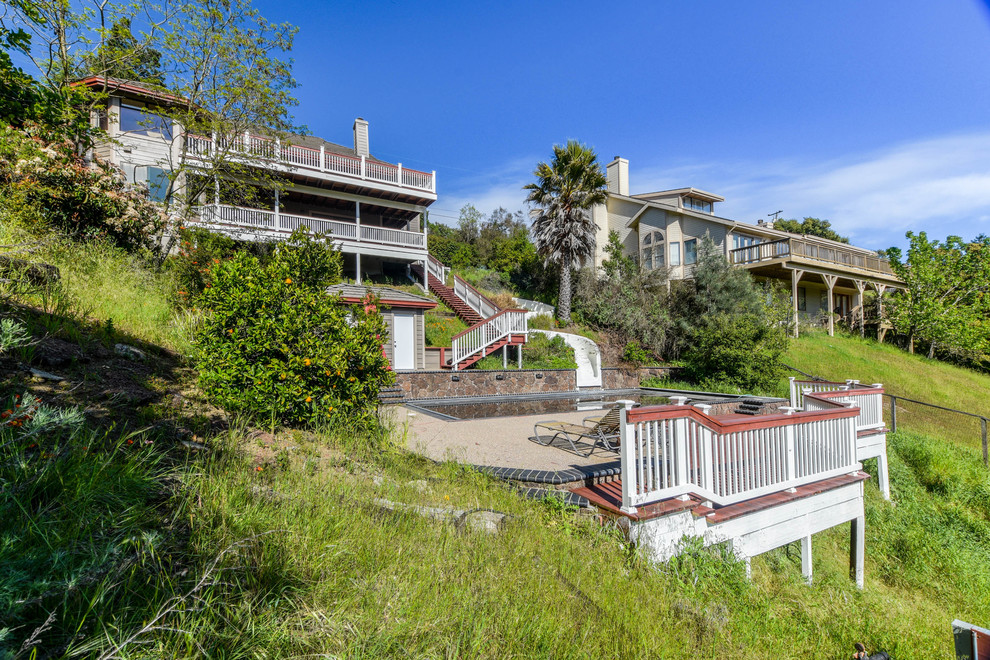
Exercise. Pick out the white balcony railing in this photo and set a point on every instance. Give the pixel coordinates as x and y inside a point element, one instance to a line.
<point>358,167</point>
<point>671,451</point>
<point>238,216</point>
<point>481,336</point>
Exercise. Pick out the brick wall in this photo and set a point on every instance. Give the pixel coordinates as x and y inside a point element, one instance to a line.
<point>478,382</point>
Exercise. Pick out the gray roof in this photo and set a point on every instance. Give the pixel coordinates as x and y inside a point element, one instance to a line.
<point>393,297</point>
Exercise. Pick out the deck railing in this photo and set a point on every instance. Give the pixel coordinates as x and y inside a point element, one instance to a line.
<point>869,400</point>
<point>797,247</point>
<point>676,450</point>
<point>282,222</point>
<point>359,167</point>
<point>474,298</point>
<point>436,268</point>
<point>481,336</point>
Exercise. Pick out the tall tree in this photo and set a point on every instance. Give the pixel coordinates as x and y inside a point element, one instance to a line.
<point>947,296</point>
<point>563,194</point>
<point>811,227</point>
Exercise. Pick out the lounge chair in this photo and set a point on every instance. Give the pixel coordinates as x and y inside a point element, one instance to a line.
<point>602,431</point>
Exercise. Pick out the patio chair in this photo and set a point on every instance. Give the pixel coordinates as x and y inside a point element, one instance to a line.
<point>602,431</point>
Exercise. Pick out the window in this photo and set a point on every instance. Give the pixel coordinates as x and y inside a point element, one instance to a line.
<point>741,241</point>
<point>647,239</point>
<point>648,258</point>
<point>697,205</point>
<point>675,253</point>
<point>137,121</point>
<point>802,299</point>
<point>691,251</point>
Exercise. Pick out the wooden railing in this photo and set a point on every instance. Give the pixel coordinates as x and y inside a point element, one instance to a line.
<point>480,336</point>
<point>869,400</point>
<point>282,222</point>
<point>474,298</point>
<point>797,247</point>
<point>360,167</point>
<point>798,388</point>
<point>676,450</point>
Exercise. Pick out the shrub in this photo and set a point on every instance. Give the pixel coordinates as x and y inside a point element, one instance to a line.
<point>635,353</point>
<point>44,184</point>
<point>739,350</point>
<point>277,347</point>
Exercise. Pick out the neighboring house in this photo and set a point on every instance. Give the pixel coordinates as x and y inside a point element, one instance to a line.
<point>404,315</point>
<point>663,230</point>
<point>373,209</point>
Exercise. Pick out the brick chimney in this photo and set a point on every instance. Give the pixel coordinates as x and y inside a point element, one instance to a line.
<point>361,137</point>
<point>618,176</point>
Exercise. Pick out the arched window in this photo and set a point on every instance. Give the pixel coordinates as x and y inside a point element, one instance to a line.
<point>652,250</point>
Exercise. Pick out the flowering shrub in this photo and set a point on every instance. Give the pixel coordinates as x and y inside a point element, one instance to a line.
<point>277,347</point>
<point>45,184</point>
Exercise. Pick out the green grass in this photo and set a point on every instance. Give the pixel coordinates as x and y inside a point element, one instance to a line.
<point>902,374</point>
<point>105,285</point>
<point>442,325</point>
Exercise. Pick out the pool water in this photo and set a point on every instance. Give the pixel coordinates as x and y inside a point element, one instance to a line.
<point>512,407</point>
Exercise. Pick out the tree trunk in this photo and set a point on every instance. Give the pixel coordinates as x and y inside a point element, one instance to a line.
<point>931,351</point>
<point>911,343</point>
<point>564,296</point>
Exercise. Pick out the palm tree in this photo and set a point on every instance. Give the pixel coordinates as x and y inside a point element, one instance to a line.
<point>564,192</point>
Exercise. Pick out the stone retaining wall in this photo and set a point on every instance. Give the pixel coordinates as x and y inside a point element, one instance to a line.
<point>615,378</point>
<point>479,382</point>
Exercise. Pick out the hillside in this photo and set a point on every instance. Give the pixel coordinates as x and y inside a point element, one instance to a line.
<point>241,541</point>
<point>903,374</point>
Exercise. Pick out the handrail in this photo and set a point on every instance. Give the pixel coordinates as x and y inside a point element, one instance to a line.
<point>798,247</point>
<point>480,303</point>
<point>436,268</point>
<point>362,167</point>
<point>481,336</point>
<point>676,450</point>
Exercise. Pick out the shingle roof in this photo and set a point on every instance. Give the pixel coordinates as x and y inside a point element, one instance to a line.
<point>387,296</point>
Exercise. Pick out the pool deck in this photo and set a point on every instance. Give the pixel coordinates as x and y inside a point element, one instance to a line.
<point>495,441</point>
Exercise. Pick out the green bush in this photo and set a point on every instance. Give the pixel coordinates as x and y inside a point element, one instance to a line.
<point>737,349</point>
<point>277,347</point>
<point>635,353</point>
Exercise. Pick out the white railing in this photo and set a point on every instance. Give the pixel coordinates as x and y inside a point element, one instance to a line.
<point>869,401</point>
<point>673,451</point>
<point>392,236</point>
<point>360,167</point>
<point>474,299</point>
<point>481,336</point>
<point>437,269</point>
<point>869,398</point>
<point>284,222</point>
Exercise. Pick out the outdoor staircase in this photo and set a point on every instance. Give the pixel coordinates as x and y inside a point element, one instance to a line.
<point>750,407</point>
<point>485,335</point>
<point>389,395</point>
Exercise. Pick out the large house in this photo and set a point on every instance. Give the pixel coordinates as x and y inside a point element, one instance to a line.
<point>662,230</point>
<point>373,209</point>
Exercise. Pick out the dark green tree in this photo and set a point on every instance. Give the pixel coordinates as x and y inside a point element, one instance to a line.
<point>564,192</point>
<point>811,227</point>
<point>122,56</point>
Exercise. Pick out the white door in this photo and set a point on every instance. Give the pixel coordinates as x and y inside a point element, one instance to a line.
<point>403,341</point>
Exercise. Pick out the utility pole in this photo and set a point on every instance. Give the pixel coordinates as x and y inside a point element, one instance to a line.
<point>774,214</point>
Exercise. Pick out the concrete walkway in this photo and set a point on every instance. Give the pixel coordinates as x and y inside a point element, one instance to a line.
<point>496,441</point>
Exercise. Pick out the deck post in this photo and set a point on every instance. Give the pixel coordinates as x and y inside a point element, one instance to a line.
<point>505,356</point>
<point>857,549</point>
<point>357,267</point>
<point>278,223</point>
<point>519,354</point>
<point>860,287</point>
<point>794,402</point>
<point>627,460</point>
<point>357,223</point>
<point>795,278</point>
<point>806,565</point>
<point>830,281</point>
<point>883,474</point>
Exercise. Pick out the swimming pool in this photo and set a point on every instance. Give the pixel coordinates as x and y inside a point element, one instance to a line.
<point>473,408</point>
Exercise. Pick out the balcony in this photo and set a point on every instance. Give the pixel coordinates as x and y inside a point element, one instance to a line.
<point>237,219</point>
<point>810,253</point>
<point>359,168</point>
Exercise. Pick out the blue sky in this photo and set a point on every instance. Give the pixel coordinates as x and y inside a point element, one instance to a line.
<point>873,115</point>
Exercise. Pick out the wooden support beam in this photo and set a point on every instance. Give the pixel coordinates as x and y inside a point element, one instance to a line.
<point>860,287</point>
<point>806,566</point>
<point>830,281</point>
<point>857,549</point>
<point>795,278</point>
